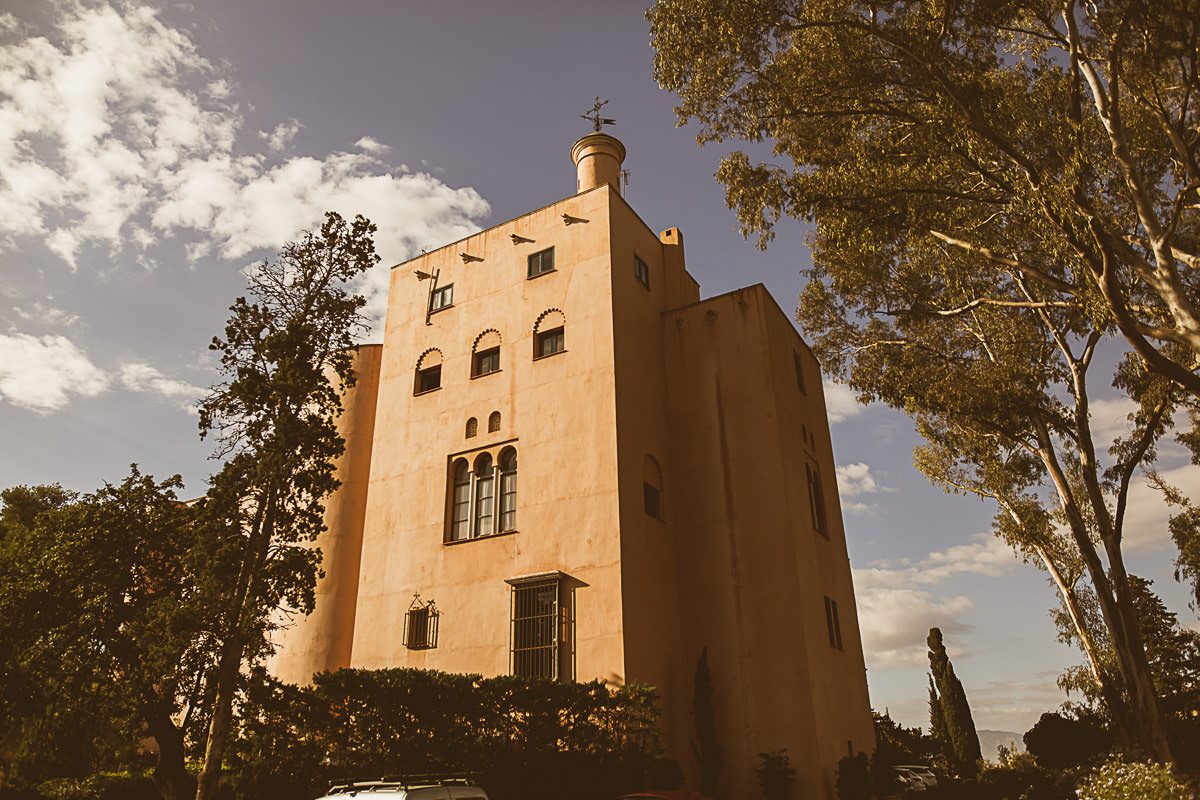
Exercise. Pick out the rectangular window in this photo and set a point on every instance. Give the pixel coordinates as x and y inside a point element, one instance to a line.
<point>816,500</point>
<point>551,342</point>
<point>421,627</point>
<point>486,362</point>
<point>652,499</point>
<point>429,379</point>
<point>441,298</point>
<point>508,501</point>
<point>536,630</point>
<point>485,491</point>
<point>799,372</point>
<point>833,623</point>
<point>641,271</point>
<point>461,520</point>
<point>541,263</point>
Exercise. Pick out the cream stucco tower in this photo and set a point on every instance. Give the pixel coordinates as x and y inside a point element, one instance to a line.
<point>594,473</point>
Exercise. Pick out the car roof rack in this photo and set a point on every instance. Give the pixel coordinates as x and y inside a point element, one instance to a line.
<point>353,786</point>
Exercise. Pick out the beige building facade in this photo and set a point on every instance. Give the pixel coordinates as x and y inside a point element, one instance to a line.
<point>563,462</point>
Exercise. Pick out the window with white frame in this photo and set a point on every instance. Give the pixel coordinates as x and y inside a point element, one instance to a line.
<point>442,297</point>
<point>482,496</point>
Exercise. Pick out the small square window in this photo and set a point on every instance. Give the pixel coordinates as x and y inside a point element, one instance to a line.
<point>441,298</point>
<point>486,362</point>
<point>641,272</point>
<point>429,379</point>
<point>541,263</point>
<point>550,342</point>
<point>652,499</point>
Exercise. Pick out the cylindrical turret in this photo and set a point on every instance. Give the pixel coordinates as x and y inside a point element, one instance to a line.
<point>598,158</point>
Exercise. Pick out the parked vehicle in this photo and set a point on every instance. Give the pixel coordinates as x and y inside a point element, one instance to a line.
<point>916,777</point>
<point>412,787</point>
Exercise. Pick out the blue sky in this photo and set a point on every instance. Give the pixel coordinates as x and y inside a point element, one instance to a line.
<point>149,152</point>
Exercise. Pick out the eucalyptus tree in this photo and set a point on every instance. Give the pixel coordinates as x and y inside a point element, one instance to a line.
<point>286,357</point>
<point>1000,190</point>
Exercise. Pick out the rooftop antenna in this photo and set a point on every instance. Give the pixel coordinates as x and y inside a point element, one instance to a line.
<point>594,117</point>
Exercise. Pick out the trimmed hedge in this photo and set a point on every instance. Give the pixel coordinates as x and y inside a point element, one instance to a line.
<point>526,739</point>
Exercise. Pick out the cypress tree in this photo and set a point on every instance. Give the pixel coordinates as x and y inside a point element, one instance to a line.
<point>961,740</point>
<point>704,746</point>
<point>937,723</point>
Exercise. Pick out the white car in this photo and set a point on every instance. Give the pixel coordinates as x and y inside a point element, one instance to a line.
<point>917,776</point>
<point>416,787</point>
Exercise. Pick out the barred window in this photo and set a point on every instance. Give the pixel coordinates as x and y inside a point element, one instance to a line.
<point>421,625</point>
<point>537,627</point>
<point>494,422</point>
<point>472,427</point>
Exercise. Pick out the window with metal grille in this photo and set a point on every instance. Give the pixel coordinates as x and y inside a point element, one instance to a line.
<point>641,272</point>
<point>542,262</point>
<point>537,629</point>
<point>551,342</point>
<point>816,500</point>
<point>486,362</point>
<point>421,625</point>
<point>834,624</point>
<point>472,427</point>
<point>441,298</point>
<point>494,422</point>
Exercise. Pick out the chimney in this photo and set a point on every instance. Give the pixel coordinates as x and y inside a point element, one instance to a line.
<point>598,158</point>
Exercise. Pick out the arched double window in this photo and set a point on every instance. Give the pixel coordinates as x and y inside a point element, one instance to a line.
<point>483,496</point>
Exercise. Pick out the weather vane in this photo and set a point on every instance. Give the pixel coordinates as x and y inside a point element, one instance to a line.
<point>595,118</point>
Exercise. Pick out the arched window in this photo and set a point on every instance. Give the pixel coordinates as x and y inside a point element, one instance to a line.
<point>472,427</point>
<point>485,495</point>
<point>549,334</point>
<point>485,354</point>
<point>429,372</point>
<point>652,487</point>
<point>508,490</point>
<point>494,422</point>
<point>460,513</point>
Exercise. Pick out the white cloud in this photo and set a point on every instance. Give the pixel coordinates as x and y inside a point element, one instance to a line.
<point>141,377</point>
<point>375,147</point>
<point>840,402</point>
<point>47,315</point>
<point>281,138</point>
<point>115,131</point>
<point>1147,514</point>
<point>41,373</point>
<point>855,479</point>
<point>898,604</point>
<point>1110,418</point>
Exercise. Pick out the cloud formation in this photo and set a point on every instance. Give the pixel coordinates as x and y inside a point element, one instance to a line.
<point>898,602</point>
<point>116,132</point>
<point>141,377</point>
<point>840,402</point>
<point>42,373</point>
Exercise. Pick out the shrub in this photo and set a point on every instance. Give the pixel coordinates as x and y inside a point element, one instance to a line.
<point>775,775</point>
<point>1132,780</point>
<point>1058,742</point>
<point>583,740</point>
<point>854,778</point>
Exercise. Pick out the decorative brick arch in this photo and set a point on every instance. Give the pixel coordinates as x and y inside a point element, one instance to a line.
<point>430,358</point>
<point>550,318</point>
<point>487,339</point>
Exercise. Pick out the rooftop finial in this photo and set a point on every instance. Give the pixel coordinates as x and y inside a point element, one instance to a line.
<point>595,118</point>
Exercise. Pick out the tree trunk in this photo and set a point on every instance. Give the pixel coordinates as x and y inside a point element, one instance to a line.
<point>222,718</point>
<point>170,773</point>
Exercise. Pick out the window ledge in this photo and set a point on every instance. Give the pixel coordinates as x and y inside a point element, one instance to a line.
<point>485,374</point>
<point>540,274</point>
<point>479,538</point>
<point>427,391</point>
<point>550,355</point>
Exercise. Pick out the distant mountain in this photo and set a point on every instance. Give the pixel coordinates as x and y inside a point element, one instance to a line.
<point>990,741</point>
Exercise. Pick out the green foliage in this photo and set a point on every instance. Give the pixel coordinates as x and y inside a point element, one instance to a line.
<point>1059,742</point>
<point>525,739</point>
<point>961,740</point>
<point>1132,780</point>
<point>286,357</point>
<point>705,747</point>
<point>775,774</point>
<point>854,778</point>
<point>1020,777</point>
<point>99,613</point>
